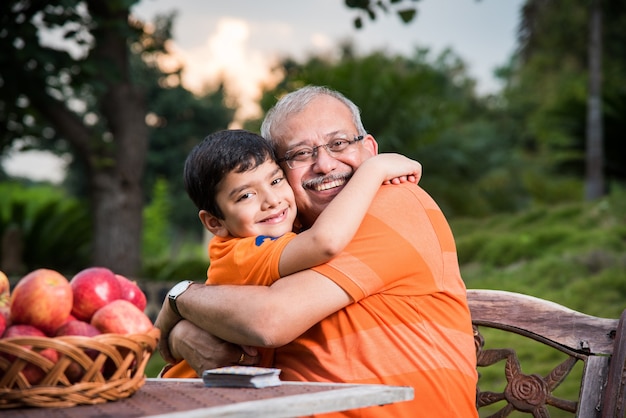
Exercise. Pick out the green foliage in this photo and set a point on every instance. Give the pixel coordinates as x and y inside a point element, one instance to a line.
<point>55,229</point>
<point>155,365</point>
<point>178,121</point>
<point>548,85</point>
<point>156,215</point>
<point>557,190</point>
<point>166,269</point>
<point>572,253</point>
<point>162,260</point>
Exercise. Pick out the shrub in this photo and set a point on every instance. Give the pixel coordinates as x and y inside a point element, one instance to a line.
<point>54,229</point>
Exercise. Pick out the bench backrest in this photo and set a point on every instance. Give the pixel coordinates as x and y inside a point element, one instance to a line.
<point>599,343</point>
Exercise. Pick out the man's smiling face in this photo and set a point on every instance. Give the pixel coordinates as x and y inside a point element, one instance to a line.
<point>322,120</point>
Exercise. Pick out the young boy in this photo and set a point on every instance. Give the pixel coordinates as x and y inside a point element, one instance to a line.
<point>245,201</point>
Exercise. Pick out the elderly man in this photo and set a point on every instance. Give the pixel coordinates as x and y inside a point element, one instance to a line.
<point>391,309</point>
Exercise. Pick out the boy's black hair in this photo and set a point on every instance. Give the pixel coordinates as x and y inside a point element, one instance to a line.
<point>217,155</point>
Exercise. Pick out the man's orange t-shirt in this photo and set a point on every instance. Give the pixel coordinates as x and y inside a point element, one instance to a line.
<point>409,324</point>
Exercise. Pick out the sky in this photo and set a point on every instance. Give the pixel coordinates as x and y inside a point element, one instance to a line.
<point>240,40</point>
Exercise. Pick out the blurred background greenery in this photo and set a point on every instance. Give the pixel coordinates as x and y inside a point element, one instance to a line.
<point>514,171</point>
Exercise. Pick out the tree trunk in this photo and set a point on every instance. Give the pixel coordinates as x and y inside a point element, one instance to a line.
<point>117,167</point>
<point>594,176</point>
<point>117,197</point>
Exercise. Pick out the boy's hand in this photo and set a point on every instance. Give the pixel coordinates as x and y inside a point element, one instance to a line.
<point>402,179</point>
<point>394,168</point>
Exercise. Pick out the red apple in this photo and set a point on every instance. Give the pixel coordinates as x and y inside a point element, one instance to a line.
<point>5,312</point>
<point>121,317</point>
<point>74,371</point>
<point>93,288</point>
<point>131,292</point>
<point>43,298</point>
<point>5,301</point>
<point>77,327</point>
<point>70,317</point>
<point>32,373</point>
<point>3,325</point>
<point>5,289</point>
<point>23,330</point>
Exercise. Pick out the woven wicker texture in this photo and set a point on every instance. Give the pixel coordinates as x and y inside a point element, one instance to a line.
<point>89,370</point>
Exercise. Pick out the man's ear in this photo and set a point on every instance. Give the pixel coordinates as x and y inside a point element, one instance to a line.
<point>213,224</point>
<point>369,142</point>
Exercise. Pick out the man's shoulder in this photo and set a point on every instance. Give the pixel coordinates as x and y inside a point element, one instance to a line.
<point>405,193</point>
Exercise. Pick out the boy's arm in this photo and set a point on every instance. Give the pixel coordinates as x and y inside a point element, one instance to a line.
<point>337,224</point>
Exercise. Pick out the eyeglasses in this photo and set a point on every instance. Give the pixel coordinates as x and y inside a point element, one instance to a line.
<point>306,156</point>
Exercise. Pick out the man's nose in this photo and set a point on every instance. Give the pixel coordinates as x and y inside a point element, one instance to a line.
<point>324,161</point>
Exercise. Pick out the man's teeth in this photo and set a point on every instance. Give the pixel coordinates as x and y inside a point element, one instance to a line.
<point>329,185</point>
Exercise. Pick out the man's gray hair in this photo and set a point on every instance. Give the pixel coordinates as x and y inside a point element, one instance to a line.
<point>296,101</point>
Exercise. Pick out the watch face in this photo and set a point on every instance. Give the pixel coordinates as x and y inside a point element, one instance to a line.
<point>179,288</point>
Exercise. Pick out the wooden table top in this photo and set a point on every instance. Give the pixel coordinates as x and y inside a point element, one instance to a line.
<point>189,398</point>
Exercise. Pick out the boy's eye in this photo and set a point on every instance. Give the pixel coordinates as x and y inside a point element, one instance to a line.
<point>244,197</point>
<point>276,181</point>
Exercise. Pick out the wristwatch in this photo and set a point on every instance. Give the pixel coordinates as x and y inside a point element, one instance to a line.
<point>176,291</point>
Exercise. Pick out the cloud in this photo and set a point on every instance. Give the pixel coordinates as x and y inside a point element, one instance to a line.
<point>321,41</point>
<point>227,57</point>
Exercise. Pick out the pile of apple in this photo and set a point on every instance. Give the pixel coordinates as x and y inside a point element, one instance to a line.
<point>95,301</point>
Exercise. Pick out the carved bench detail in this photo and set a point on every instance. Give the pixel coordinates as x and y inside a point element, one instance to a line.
<point>598,343</point>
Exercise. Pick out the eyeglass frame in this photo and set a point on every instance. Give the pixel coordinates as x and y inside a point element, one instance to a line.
<point>314,152</point>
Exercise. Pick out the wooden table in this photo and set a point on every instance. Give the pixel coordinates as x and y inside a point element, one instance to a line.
<point>189,398</point>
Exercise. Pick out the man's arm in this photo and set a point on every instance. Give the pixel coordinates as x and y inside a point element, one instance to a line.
<point>263,316</point>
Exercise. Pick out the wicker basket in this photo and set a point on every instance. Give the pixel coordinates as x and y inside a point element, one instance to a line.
<point>89,370</point>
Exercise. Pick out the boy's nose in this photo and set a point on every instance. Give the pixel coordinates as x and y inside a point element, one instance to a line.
<point>271,200</point>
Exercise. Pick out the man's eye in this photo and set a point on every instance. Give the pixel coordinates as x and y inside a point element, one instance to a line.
<point>338,143</point>
<point>301,153</point>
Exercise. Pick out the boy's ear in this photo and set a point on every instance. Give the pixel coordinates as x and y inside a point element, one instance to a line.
<point>213,224</point>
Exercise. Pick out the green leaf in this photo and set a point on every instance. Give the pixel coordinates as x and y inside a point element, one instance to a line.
<point>407,15</point>
<point>382,6</point>
<point>357,4</point>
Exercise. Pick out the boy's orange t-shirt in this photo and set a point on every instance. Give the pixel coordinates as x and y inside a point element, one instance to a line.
<point>240,261</point>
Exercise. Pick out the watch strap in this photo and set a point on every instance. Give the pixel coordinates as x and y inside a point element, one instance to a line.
<point>175,292</point>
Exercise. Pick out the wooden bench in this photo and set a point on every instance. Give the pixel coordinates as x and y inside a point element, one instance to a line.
<point>598,343</point>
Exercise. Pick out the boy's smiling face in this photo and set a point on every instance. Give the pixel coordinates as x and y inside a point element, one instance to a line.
<point>254,202</point>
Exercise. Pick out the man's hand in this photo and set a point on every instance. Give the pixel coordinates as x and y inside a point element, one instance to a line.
<point>204,351</point>
<point>166,320</point>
